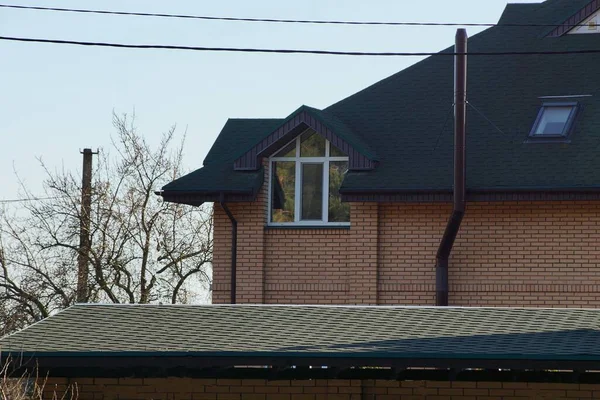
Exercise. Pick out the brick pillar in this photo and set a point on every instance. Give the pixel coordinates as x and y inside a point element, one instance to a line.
<point>221,257</point>
<point>362,260</point>
<point>251,251</point>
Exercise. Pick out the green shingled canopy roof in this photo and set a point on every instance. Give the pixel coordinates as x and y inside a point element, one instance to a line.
<point>328,332</point>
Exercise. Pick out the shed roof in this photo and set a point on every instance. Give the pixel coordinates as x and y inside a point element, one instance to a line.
<point>220,335</point>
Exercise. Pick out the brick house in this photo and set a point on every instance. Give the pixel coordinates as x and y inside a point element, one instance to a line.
<point>341,213</point>
<point>308,232</point>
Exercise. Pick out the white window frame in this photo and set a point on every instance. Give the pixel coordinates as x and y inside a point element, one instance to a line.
<point>298,161</point>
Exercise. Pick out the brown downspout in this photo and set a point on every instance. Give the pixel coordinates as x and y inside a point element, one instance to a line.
<point>460,117</point>
<point>233,247</point>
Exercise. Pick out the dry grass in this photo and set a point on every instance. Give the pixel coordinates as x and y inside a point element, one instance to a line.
<point>29,385</point>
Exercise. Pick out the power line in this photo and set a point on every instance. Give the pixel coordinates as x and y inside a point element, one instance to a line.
<point>268,20</point>
<point>292,51</point>
<point>30,199</point>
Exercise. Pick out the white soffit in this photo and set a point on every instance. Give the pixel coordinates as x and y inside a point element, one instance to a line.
<point>590,25</point>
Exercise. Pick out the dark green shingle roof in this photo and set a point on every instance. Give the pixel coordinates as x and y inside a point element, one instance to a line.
<point>506,90</point>
<point>218,175</point>
<point>215,178</point>
<point>237,136</point>
<point>401,118</point>
<point>304,331</point>
<point>341,129</point>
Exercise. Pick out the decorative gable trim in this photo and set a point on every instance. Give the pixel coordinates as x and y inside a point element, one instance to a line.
<point>576,19</point>
<point>303,120</point>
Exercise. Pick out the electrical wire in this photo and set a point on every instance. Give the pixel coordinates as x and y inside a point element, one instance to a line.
<point>267,20</point>
<point>293,51</point>
<point>30,199</point>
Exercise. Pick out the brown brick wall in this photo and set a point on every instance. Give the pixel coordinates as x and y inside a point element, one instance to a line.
<point>250,252</point>
<point>255,389</point>
<point>303,266</point>
<point>506,254</point>
<point>541,254</point>
<point>307,266</point>
<point>363,260</point>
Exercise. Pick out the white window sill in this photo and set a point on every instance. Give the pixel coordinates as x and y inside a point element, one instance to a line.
<point>338,225</point>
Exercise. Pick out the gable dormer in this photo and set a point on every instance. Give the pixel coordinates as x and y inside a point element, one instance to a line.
<point>309,155</point>
<point>585,20</point>
<point>361,157</point>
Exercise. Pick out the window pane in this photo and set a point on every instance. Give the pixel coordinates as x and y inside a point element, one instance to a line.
<point>283,186</point>
<point>312,192</point>
<point>553,120</point>
<point>338,211</point>
<point>312,144</point>
<point>287,151</point>
<point>335,152</point>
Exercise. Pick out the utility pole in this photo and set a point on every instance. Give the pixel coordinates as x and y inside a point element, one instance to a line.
<point>84,227</point>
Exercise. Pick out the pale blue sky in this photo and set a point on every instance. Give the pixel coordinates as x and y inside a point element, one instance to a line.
<point>57,99</point>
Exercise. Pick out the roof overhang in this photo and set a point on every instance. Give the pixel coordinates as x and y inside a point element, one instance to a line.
<point>199,197</point>
<point>473,195</point>
<point>213,183</point>
<point>273,365</point>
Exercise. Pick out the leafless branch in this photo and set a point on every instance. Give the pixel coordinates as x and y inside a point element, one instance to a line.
<point>142,249</point>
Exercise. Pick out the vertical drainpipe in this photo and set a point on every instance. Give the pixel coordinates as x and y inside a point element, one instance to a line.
<point>460,117</point>
<point>233,247</point>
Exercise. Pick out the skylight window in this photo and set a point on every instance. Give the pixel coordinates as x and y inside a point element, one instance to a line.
<point>554,120</point>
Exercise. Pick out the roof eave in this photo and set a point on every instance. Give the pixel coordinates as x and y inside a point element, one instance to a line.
<point>473,195</point>
<point>499,189</point>
<point>157,363</point>
<point>197,198</point>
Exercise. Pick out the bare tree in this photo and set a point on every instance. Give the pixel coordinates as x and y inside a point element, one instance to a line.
<point>142,249</point>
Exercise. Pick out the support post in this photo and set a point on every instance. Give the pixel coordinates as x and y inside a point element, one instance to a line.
<point>84,227</point>
<point>233,248</point>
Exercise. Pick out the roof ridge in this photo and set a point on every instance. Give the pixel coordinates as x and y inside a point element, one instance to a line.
<point>253,119</point>
<point>333,306</point>
<point>509,12</point>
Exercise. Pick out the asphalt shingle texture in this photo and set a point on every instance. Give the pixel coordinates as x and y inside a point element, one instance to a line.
<point>342,130</point>
<point>334,331</point>
<point>218,175</point>
<point>401,117</point>
<point>404,114</point>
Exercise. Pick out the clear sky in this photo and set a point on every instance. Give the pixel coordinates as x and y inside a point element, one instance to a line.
<point>57,99</point>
